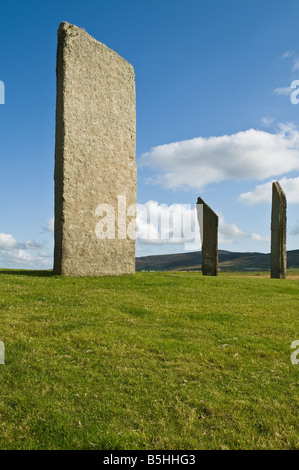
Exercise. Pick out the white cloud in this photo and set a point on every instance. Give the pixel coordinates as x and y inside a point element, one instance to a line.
<point>18,257</point>
<point>160,224</point>
<point>267,121</point>
<point>229,233</point>
<point>259,238</point>
<point>296,64</point>
<point>7,241</point>
<point>31,244</point>
<point>295,230</point>
<point>287,90</point>
<point>27,254</point>
<point>251,154</point>
<point>263,192</point>
<point>287,54</point>
<point>49,226</point>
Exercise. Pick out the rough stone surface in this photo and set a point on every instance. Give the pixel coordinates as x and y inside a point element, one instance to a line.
<point>94,153</point>
<point>209,233</point>
<point>278,232</point>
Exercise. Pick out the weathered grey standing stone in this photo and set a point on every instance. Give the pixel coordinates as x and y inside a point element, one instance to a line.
<point>209,234</point>
<point>278,232</point>
<point>94,154</point>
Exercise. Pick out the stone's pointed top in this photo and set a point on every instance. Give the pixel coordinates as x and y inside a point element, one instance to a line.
<point>65,26</point>
<point>68,31</point>
<point>201,201</point>
<point>276,187</point>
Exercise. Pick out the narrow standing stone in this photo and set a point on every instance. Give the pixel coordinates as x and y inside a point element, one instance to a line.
<point>278,232</point>
<point>209,234</point>
<point>94,156</point>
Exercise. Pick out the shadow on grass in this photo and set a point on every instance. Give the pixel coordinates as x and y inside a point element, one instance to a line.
<point>25,272</point>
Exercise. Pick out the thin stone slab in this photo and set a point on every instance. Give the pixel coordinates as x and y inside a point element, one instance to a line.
<point>209,234</point>
<point>278,232</point>
<point>94,155</point>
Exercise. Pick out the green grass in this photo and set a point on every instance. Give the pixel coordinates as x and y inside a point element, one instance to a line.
<point>150,361</point>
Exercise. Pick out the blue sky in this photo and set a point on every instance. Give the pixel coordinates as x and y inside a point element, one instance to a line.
<point>214,115</point>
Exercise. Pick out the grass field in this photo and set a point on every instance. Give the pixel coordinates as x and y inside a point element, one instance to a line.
<point>150,361</point>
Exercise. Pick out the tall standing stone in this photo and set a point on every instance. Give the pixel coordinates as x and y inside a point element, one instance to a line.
<point>94,154</point>
<point>278,232</point>
<point>209,234</point>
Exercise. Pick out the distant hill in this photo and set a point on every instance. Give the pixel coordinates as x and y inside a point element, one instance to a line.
<point>228,261</point>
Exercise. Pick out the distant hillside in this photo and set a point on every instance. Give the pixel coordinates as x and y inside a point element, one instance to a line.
<point>228,261</point>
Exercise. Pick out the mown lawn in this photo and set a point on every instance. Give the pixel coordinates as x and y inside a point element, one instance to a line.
<point>150,361</point>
